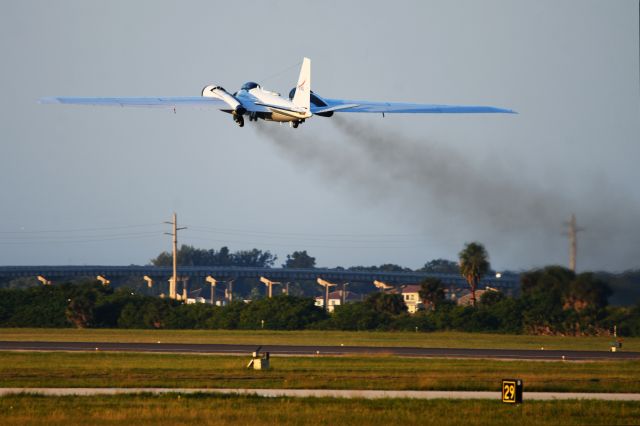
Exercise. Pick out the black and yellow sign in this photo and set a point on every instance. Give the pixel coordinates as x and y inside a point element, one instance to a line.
<point>512,391</point>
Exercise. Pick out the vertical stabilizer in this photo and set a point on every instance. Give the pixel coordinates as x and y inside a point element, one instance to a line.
<point>303,88</point>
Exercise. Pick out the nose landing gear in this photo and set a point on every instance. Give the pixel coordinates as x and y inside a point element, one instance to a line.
<point>295,124</point>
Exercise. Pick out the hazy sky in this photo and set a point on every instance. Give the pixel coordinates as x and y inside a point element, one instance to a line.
<point>93,185</point>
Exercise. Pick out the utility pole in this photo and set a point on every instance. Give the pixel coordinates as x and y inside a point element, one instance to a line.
<point>229,290</point>
<point>344,293</point>
<point>174,276</point>
<point>573,241</point>
<point>185,292</point>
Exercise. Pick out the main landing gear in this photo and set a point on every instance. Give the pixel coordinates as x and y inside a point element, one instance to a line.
<point>295,124</point>
<point>238,118</point>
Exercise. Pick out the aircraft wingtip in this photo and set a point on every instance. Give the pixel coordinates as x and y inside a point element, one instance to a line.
<point>48,100</point>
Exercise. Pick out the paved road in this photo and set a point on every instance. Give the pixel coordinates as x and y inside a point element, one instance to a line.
<point>333,393</point>
<point>318,350</point>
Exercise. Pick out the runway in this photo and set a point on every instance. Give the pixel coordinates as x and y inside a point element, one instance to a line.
<point>311,350</point>
<point>324,393</point>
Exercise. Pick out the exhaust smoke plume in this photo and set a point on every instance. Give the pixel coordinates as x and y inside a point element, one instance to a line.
<point>454,198</point>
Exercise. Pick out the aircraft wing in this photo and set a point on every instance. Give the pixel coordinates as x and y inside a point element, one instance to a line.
<point>344,105</point>
<point>159,102</point>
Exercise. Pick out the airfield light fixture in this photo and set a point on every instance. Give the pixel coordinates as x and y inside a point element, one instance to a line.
<point>326,285</point>
<point>269,285</point>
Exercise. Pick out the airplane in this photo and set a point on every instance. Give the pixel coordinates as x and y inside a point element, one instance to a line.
<point>256,103</point>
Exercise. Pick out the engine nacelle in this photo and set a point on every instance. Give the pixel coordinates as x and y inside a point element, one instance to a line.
<point>219,93</point>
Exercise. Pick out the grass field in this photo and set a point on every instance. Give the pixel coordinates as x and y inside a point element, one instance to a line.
<point>235,410</point>
<point>56,369</point>
<point>371,338</point>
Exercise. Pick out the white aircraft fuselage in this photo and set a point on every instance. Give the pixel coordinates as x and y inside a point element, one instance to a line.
<point>265,104</point>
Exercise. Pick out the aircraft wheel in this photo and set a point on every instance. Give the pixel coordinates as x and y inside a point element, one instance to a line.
<point>294,124</point>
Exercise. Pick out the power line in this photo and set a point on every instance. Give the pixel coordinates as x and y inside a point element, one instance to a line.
<point>282,71</point>
<point>108,228</point>
<point>294,245</point>
<point>229,231</point>
<point>239,236</point>
<point>301,234</point>
<point>72,237</point>
<point>304,240</point>
<point>76,240</point>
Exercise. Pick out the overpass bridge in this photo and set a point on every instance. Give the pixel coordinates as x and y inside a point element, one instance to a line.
<point>507,282</point>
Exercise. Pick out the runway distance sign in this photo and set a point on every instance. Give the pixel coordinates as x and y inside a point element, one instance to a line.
<point>512,391</point>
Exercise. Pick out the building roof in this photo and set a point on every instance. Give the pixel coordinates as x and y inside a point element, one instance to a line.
<point>411,288</point>
<point>465,299</point>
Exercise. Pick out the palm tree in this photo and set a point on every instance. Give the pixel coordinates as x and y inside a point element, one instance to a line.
<point>474,264</point>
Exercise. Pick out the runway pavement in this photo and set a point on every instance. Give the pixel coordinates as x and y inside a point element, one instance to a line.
<point>331,393</point>
<point>550,355</point>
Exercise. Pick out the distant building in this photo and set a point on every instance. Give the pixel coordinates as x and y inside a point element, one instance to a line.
<point>192,300</point>
<point>203,295</point>
<point>335,299</point>
<point>193,296</point>
<point>465,299</point>
<point>411,297</point>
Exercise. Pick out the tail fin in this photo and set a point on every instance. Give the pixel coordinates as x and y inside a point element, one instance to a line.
<point>303,88</point>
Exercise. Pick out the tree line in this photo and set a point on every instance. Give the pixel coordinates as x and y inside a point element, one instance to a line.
<point>553,300</point>
<point>188,255</point>
<point>191,256</point>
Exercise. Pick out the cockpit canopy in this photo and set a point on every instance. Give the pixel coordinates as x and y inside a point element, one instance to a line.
<point>249,85</point>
